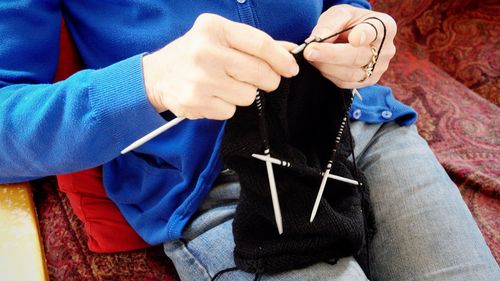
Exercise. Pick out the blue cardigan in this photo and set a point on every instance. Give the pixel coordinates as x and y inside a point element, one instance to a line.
<point>85,121</point>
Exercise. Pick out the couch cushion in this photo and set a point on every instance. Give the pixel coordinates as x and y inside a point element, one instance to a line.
<point>107,229</point>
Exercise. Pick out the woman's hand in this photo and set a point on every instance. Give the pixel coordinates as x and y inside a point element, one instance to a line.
<point>214,67</point>
<point>343,59</point>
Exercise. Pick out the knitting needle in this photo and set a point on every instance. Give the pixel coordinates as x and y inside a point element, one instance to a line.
<point>321,190</point>
<point>271,159</point>
<point>327,175</point>
<point>328,167</point>
<point>274,194</point>
<point>356,93</point>
<point>308,41</point>
<point>288,164</point>
<point>153,134</point>
<point>269,166</point>
<point>339,178</point>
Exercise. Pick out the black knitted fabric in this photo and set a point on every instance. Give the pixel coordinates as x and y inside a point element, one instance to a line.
<point>303,117</point>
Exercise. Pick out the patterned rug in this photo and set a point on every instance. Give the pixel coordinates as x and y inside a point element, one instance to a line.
<point>462,37</point>
<point>67,253</point>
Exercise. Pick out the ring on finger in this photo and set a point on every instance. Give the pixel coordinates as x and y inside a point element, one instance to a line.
<point>368,68</point>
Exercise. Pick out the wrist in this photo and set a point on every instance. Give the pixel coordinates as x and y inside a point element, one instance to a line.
<point>149,74</point>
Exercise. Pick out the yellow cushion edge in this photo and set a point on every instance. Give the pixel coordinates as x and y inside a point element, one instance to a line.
<point>21,250</point>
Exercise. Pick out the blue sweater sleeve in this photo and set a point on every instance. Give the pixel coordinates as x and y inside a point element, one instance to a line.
<point>75,124</point>
<point>356,3</point>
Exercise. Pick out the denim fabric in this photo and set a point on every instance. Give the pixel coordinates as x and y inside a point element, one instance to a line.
<point>424,229</point>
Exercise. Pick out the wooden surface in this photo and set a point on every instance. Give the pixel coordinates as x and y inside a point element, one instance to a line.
<point>21,250</point>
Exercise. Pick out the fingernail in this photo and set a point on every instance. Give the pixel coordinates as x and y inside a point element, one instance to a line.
<point>313,55</point>
<point>294,70</point>
<point>362,39</point>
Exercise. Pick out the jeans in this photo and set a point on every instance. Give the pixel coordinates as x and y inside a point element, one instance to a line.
<point>424,229</point>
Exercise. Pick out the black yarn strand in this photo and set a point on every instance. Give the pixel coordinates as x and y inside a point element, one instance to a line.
<point>218,274</point>
<point>258,276</point>
<point>383,36</point>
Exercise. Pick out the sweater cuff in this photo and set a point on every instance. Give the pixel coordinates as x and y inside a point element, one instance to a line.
<point>118,98</point>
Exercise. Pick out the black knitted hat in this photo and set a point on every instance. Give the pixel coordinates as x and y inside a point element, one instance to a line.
<point>303,118</point>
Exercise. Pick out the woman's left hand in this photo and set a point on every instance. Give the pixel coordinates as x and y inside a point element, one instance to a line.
<point>345,59</point>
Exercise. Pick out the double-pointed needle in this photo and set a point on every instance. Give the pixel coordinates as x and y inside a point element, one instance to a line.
<point>326,176</point>
<point>272,185</point>
<point>153,134</point>
<point>269,166</point>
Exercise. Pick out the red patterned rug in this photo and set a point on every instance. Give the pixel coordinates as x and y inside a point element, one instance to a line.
<point>462,37</point>
<point>67,253</point>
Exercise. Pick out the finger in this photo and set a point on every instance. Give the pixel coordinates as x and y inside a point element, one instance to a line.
<point>287,45</point>
<point>259,44</point>
<point>218,109</point>
<point>251,70</point>
<point>338,54</point>
<point>341,73</point>
<point>332,21</point>
<point>363,34</point>
<point>236,92</point>
<point>374,21</point>
<point>350,85</point>
<point>373,79</point>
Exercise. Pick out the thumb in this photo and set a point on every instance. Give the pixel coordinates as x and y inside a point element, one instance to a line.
<point>287,45</point>
<point>362,35</point>
<point>332,21</point>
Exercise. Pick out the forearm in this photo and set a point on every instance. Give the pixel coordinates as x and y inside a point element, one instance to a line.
<point>78,123</point>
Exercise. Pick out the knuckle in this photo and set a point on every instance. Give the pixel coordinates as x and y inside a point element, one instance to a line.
<point>197,57</point>
<point>275,81</point>
<point>356,75</point>
<point>205,20</point>
<point>391,51</point>
<point>263,46</point>
<point>358,59</point>
<point>248,98</point>
<point>389,20</point>
<point>381,69</point>
<point>224,114</point>
<point>202,53</point>
<point>344,85</point>
<point>391,24</point>
<point>191,97</point>
<point>342,8</point>
<point>196,54</point>
<point>341,84</point>
<point>230,112</point>
<point>267,79</point>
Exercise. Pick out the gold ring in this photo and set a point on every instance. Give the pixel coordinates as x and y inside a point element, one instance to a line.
<point>368,68</point>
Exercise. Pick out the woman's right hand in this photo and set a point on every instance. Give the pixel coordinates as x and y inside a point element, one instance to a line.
<point>214,67</point>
